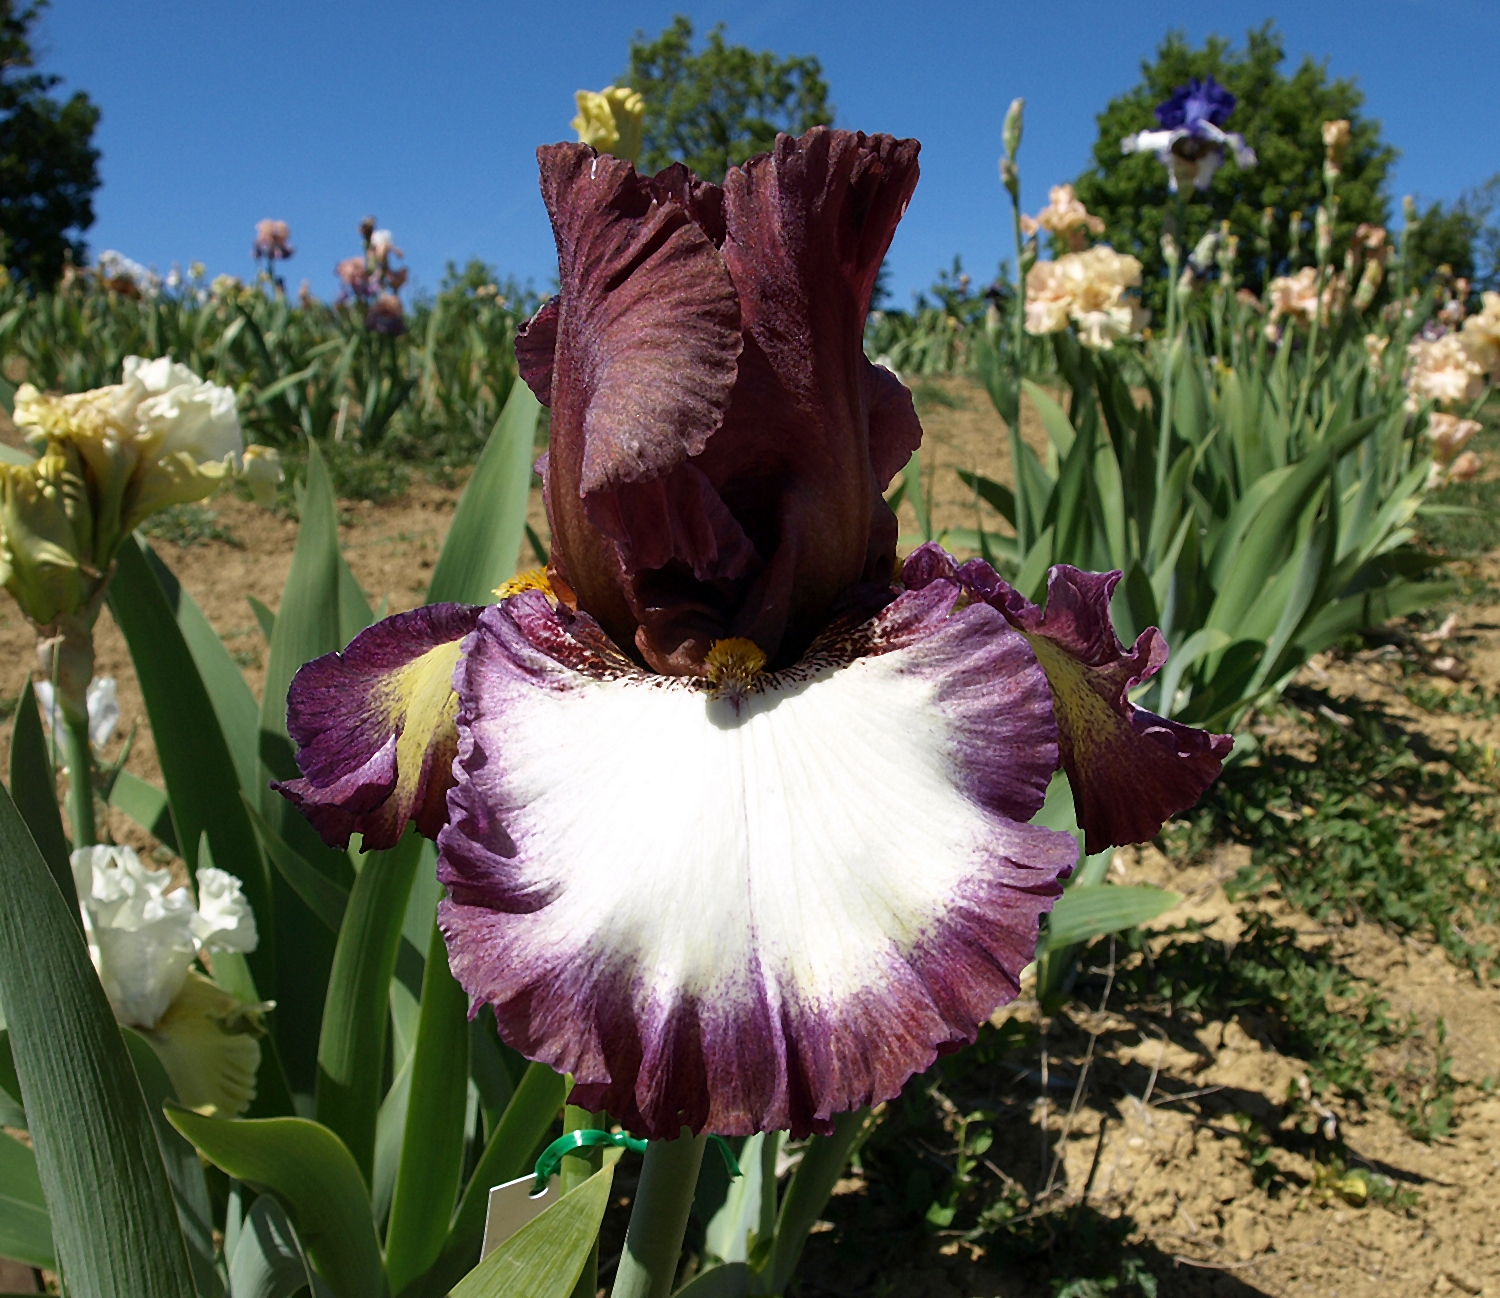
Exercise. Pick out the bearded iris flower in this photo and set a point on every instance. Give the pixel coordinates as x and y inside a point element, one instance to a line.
<point>144,933</point>
<point>1192,138</point>
<point>733,814</point>
<point>107,460</point>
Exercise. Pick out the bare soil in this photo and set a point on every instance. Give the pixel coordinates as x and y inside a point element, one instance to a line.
<point>1171,1173</point>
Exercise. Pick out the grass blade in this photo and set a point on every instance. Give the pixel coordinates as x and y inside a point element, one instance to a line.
<point>1091,910</point>
<point>307,1167</point>
<point>184,1171</point>
<point>25,1228</point>
<point>197,766</point>
<point>545,1257</point>
<point>145,804</point>
<point>307,626</point>
<point>356,1010</point>
<point>33,787</point>
<point>428,1177</point>
<point>234,705</point>
<point>489,524</point>
<point>96,1150</point>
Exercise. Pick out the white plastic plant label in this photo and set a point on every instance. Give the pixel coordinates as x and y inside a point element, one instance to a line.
<point>511,1206</point>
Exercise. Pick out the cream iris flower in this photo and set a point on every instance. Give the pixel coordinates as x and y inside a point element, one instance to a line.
<point>107,459</point>
<point>612,120</point>
<point>263,474</point>
<point>143,936</point>
<point>1090,288</point>
<point>161,436</point>
<point>1064,215</point>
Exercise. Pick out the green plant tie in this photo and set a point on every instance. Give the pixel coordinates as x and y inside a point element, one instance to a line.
<point>592,1137</point>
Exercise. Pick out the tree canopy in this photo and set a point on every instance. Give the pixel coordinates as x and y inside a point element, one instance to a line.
<point>1280,117</point>
<point>48,165</point>
<point>717,106</point>
<point>1464,236</point>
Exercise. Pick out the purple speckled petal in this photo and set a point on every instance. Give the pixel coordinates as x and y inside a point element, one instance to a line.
<point>536,344</point>
<point>1130,769</point>
<point>374,728</point>
<point>749,906</point>
<point>643,349</point>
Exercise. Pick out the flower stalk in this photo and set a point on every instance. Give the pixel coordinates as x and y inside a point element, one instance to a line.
<point>1334,142</point>
<point>79,755</point>
<point>65,650</point>
<point>1010,176</point>
<point>576,1168</point>
<point>1173,257</point>
<point>663,1200</point>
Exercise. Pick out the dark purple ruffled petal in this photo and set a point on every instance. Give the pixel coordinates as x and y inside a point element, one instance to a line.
<point>536,345</point>
<point>720,443</point>
<point>374,726</point>
<point>814,430</point>
<point>647,335</point>
<point>1130,769</point>
<point>748,907</point>
<point>895,430</point>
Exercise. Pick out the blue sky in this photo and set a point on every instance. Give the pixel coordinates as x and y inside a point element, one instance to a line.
<point>427,116</point>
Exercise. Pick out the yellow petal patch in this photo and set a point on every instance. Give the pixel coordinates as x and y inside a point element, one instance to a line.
<point>208,1041</point>
<point>425,707</point>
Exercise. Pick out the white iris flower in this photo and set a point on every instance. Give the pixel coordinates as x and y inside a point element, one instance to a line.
<point>143,935</point>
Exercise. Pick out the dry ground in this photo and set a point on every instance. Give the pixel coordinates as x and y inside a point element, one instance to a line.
<point>1173,1171</point>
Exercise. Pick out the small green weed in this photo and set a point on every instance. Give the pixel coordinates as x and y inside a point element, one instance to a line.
<point>1466,701</point>
<point>1422,1099</point>
<point>1308,1003</point>
<point>1335,1183</point>
<point>974,1138</point>
<point>1368,827</point>
<point>188,525</point>
<point>1132,1277</point>
<point>1255,1145</point>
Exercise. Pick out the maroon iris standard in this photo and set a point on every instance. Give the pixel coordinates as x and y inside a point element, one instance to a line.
<point>733,814</point>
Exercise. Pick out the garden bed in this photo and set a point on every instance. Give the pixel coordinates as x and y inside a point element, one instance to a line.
<point>1158,1127</point>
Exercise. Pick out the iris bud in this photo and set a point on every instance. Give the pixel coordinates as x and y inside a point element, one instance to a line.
<point>1010,132</point>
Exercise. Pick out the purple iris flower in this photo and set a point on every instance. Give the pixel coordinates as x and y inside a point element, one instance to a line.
<point>1194,103</point>
<point>1192,140</point>
<point>734,814</point>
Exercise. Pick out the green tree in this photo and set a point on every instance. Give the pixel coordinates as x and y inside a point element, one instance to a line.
<point>1280,117</point>
<point>1464,236</point>
<point>48,165</point>
<point>1444,236</point>
<point>716,107</point>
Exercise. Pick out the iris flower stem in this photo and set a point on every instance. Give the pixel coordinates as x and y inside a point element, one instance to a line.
<point>575,1170</point>
<point>74,736</point>
<point>1024,529</point>
<point>1310,364</point>
<point>663,1200</point>
<point>823,1162</point>
<point>1177,228</point>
